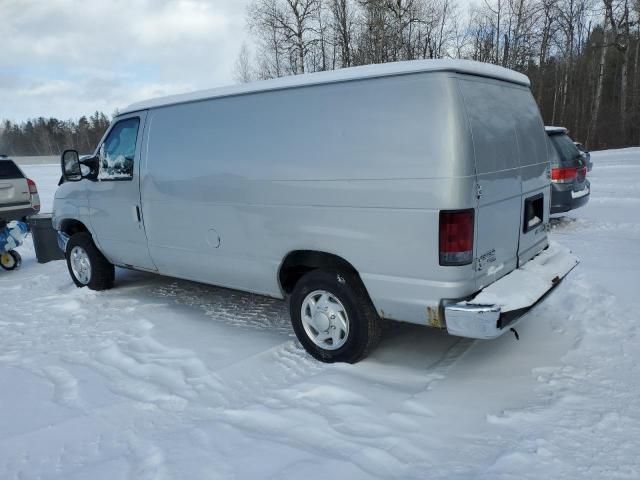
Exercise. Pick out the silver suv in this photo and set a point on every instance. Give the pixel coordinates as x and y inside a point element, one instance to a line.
<point>18,194</point>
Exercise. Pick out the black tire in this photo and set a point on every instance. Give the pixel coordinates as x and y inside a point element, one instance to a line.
<point>11,260</point>
<point>102,272</point>
<point>363,320</point>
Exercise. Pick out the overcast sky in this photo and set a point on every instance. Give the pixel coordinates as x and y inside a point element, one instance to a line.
<point>67,58</point>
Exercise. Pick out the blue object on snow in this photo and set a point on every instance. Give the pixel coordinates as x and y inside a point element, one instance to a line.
<point>12,236</point>
<point>63,238</point>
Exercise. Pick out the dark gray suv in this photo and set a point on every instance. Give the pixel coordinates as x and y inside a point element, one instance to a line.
<point>569,185</point>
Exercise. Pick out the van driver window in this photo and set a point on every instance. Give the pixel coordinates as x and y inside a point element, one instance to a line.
<point>118,150</point>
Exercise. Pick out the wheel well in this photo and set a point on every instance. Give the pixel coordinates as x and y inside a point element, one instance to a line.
<point>71,227</point>
<point>299,262</point>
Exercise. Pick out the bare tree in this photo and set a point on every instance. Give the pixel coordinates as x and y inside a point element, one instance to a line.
<point>583,56</point>
<point>373,44</point>
<point>547,32</point>
<point>597,99</point>
<point>618,16</point>
<point>243,72</point>
<point>261,18</point>
<point>343,25</point>
<point>287,30</point>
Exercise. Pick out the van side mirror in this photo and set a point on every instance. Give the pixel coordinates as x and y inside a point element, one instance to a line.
<point>70,162</point>
<point>89,166</point>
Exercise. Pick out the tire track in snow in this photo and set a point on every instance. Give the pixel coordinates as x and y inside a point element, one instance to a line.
<point>235,308</point>
<point>586,405</point>
<point>284,407</point>
<point>440,368</point>
<point>270,394</point>
<point>64,383</point>
<point>247,392</point>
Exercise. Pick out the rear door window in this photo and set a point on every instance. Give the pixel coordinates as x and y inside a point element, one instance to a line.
<point>492,126</point>
<point>566,149</point>
<point>9,170</point>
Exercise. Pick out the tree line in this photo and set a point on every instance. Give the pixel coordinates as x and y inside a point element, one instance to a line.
<point>50,136</point>
<point>582,56</point>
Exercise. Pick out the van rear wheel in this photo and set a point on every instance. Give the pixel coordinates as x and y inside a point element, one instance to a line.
<point>333,317</point>
<point>87,266</point>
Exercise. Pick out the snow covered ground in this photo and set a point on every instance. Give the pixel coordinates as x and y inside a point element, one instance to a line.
<point>161,378</point>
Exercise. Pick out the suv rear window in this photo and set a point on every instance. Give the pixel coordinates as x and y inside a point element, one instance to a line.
<point>565,147</point>
<point>9,170</point>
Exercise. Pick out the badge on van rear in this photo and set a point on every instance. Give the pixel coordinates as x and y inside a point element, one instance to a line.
<point>486,258</point>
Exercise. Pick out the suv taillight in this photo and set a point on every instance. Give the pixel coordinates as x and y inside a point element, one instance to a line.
<point>564,175</point>
<point>32,186</point>
<point>456,237</point>
<point>33,190</point>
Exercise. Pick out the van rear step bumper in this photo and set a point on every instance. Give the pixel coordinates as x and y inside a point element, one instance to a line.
<point>502,304</point>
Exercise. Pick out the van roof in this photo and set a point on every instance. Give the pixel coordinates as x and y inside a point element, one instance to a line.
<point>554,130</point>
<point>341,75</point>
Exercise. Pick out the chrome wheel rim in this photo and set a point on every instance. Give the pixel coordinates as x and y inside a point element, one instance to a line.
<point>325,320</point>
<point>80,265</point>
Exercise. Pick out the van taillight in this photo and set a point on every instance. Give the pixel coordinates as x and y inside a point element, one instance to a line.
<point>564,175</point>
<point>456,237</point>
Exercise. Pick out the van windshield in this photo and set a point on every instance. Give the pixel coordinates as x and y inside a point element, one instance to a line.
<point>565,148</point>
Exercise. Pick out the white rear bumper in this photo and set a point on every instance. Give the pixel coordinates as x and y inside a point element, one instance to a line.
<point>502,304</point>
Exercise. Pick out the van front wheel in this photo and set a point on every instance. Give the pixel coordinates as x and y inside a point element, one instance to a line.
<point>333,317</point>
<point>87,266</point>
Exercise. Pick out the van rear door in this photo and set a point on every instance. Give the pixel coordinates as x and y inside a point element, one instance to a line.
<point>499,188</point>
<point>534,171</point>
<point>511,161</point>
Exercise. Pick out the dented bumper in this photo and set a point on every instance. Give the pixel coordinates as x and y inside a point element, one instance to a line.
<point>501,305</point>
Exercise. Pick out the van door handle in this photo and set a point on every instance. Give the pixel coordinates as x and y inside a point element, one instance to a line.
<point>138,214</point>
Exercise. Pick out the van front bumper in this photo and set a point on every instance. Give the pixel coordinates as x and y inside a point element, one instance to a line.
<point>501,305</point>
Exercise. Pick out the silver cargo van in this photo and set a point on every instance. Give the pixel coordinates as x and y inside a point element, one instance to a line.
<point>414,191</point>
